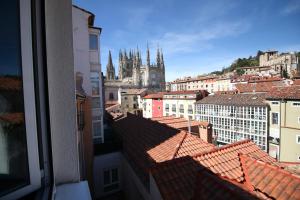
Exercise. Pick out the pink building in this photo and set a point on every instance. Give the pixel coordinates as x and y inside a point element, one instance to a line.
<point>153,105</point>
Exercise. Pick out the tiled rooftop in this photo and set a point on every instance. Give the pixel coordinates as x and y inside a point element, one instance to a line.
<point>260,86</point>
<point>180,123</point>
<point>274,182</point>
<point>146,142</point>
<point>224,162</point>
<point>9,83</point>
<point>235,99</point>
<point>289,92</point>
<point>13,118</point>
<point>158,95</point>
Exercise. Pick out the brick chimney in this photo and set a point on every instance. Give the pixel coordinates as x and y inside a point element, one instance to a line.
<point>205,131</point>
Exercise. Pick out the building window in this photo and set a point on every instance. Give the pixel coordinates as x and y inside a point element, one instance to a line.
<point>95,87</point>
<point>181,108</point>
<point>111,180</point>
<point>96,102</point>
<point>173,107</point>
<point>93,42</point>
<point>167,108</point>
<point>275,118</point>
<point>111,96</point>
<point>190,109</point>
<point>96,126</point>
<point>275,103</point>
<point>296,104</point>
<point>19,161</point>
<point>298,139</point>
<point>158,107</point>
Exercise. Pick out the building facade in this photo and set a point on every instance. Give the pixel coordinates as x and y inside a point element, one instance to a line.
<point>87,65</point>
<point>284,139</point>
<point>236,117</point>
<point>287,62</point>
<point>181,103</point>
<point>130,100</point>
<point>134,73</point>
<point>153,105</point>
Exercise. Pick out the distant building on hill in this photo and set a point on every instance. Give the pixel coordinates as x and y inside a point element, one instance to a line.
<point>287,62</point>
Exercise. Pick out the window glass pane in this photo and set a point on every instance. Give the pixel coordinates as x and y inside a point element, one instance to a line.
<point>114,175</point>
<point>95,87</point>
<point>106,177</point>
<point>93,42</point>
<point>13,149</point>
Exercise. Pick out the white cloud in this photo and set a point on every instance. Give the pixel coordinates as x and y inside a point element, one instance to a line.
<point>184,42</point>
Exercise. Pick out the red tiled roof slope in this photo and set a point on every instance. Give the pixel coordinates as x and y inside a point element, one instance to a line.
<point>13,118</point>
<point>224,162</point>
<point>273,181</point>
<point>289,92</point>
<point>146,142</point>
<point>8,83</point>
<point>210,186</point>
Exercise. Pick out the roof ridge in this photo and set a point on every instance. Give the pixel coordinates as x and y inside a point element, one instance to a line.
<point>269,165</point>
<point>223,147</point>
<point>245,172</point>
<point>179,145</point>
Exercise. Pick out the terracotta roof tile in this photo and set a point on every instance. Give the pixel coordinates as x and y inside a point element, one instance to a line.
<point>10,83</point>
<point>158,95</point>
<point>271,180</point>
<point>258,87</point>
<point>257,99</point>
<point>223,161</point>
<point>13,118</point>
<point>146,142</point>
<point>289,92</point>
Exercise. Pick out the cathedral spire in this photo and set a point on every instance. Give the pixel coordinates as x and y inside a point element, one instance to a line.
<point>110,70</point>
<point>120,55</point>
<point>148,56</point>
<point>162,59</point>
<point>158,58</point>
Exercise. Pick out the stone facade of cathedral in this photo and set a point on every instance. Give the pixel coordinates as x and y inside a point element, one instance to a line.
<point>133,73</point>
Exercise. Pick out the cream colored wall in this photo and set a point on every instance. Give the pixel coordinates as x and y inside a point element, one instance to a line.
<point>289,128</point>
<point>289,149</point>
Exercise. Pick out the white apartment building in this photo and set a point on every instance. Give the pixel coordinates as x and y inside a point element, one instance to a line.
<point>236,117</point>
<point>181,103</point>
<point>86,46</point>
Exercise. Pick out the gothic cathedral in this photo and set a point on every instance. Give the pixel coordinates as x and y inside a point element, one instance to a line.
<point>133,73</point>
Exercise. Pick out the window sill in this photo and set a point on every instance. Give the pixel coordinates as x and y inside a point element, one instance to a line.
<point>73,191</point>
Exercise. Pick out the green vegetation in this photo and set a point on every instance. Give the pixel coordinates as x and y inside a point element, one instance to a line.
<point>240,62</point>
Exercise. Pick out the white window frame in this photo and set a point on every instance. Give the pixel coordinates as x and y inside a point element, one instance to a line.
<point>111,183</point>
<point>29,104</point>
<point>297,136</point>
<point>96,136</point>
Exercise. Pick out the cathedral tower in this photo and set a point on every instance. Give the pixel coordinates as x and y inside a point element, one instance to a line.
<point>110,69</point>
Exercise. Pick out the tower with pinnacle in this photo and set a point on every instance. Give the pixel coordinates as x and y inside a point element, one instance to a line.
<point>110,69</point>
<point>133,73</point>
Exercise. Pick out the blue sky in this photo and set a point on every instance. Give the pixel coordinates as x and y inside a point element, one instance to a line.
<point>196,36</point>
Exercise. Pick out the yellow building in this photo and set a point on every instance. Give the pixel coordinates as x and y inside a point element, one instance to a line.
<point>284,123</point>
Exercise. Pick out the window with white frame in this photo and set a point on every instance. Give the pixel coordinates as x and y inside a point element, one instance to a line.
<point>111,179</point>
<point>19,159</point>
